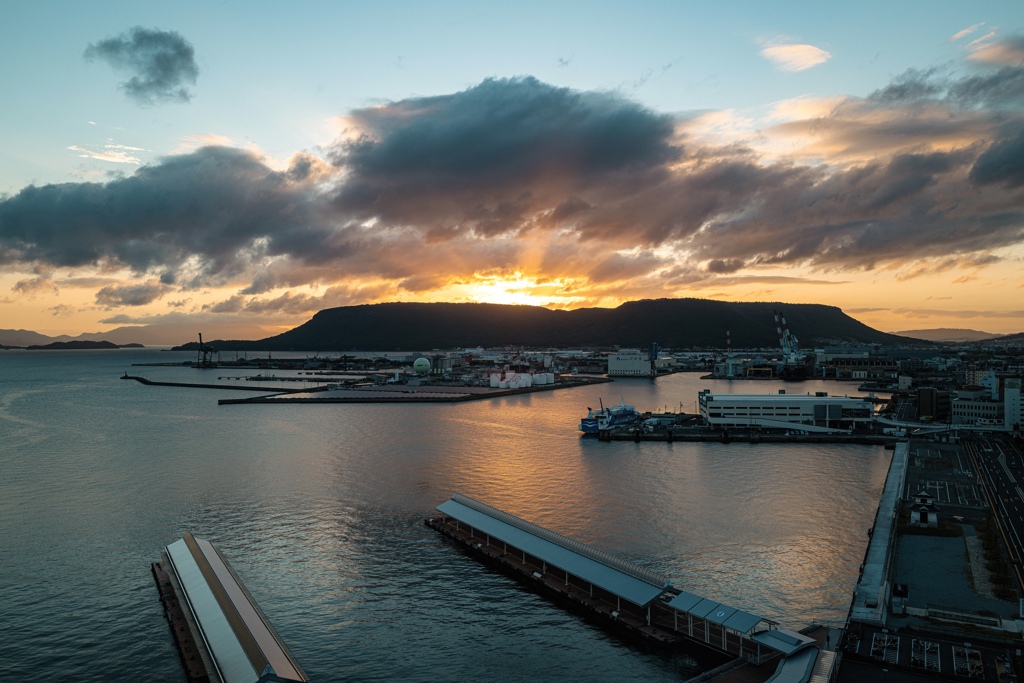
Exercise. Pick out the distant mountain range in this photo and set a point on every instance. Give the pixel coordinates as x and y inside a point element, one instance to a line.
<point>945,334</point>
<point>675,323</point>
<point>147,335</point>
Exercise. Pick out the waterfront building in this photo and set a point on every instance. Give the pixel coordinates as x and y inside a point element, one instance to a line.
<point>629,363</point>
<point>819,412</point>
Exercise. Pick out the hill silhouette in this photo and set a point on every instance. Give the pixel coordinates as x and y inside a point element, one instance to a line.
<point>675,323</point>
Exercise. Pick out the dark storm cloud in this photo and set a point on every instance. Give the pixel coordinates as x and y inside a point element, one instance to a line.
<point>486,157</point>
<point>223,205</point>
<point>912,206</point>
<point>1002,87</point>
<point>114,296</point>
<point>720,266</point>
<point>160,64</point>
<point>1003,163</point>
<point>912,84</point>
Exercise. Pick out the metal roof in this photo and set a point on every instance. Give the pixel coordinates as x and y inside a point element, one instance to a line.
<point>245,648</point>
<point>715,612</point>
<point>619,577</point>
<point>784,640</point>
<point>720,615</point>
<point>743,622</point>
<point>684,601</point>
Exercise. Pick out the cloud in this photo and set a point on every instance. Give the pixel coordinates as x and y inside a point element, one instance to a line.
<point>484,159</point>
<point>114,296</point>
<point>160,64</point>
<point>1002,163</point>
<point>1008,51</point>
<point>206,215</point>
<point>998,89</point>
<point>965,32</point>
<point>580,197</point>
<point>36,286</point>
<point>118,154</point>
<point>724,266</point>
<point>795,57</point>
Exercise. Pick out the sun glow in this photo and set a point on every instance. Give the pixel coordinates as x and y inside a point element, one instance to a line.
<point>503,289</point>
<point>517,289</point>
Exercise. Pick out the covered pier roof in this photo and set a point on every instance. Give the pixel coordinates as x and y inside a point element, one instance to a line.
<point>243,645</point>
<point>619,577</point>
<point>716,612</point>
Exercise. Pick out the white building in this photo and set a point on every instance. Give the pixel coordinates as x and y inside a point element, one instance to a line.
<point>973,407</point>
<point>629,363</point>
<point>818,413</point>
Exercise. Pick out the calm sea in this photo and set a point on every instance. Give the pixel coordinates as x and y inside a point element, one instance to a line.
<point>320,509</point>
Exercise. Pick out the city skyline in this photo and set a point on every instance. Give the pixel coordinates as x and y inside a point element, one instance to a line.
<point>253,164</point>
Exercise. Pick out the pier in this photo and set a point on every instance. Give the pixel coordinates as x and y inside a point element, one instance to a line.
<point>220,631</point>
<point>624,596</point>
<point>192,385</point>
<point>671,435</point>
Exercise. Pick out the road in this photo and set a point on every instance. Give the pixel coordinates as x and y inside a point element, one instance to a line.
<point>1000,466</point>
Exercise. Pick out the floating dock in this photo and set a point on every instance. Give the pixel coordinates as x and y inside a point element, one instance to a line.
<point>221,633</point>
<point>622,595</point>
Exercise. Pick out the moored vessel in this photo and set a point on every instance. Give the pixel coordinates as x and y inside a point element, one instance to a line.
<point>605,419</point>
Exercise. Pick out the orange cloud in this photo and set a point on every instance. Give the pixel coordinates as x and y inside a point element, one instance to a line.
<point>795,57</point>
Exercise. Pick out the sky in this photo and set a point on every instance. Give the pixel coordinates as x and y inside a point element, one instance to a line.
<point>243,165</point>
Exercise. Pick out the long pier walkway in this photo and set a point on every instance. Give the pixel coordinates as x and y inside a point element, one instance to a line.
<point>623,595</point>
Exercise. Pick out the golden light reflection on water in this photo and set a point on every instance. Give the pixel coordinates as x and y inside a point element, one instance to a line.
<point>320,509</point>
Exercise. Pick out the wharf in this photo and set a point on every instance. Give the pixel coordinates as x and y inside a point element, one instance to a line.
<point>739,436</point>
<point>192,385</point>
<point>406,394</point>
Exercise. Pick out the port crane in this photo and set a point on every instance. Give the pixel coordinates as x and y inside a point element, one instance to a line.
<point>795,363</point>
<point>204,354</point>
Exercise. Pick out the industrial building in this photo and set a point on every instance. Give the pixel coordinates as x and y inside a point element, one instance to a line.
<point>222,634</point>
<point>856,366</point>
<point>630,363</point>
<point>818,413</point>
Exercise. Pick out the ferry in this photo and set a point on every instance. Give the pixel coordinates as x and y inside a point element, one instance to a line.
<point>609,418</point>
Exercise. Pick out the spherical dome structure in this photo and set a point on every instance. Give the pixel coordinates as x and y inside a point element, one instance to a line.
<point>421,365</point>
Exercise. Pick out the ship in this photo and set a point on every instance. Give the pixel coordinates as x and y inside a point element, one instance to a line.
<point>605,419</point>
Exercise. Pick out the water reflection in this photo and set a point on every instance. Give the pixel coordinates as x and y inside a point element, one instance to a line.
<point>319,508</point>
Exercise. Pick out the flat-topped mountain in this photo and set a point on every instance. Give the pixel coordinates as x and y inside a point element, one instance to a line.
<point>676,323</point>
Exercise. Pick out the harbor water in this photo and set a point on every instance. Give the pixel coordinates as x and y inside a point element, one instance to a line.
<point>319,508</point>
